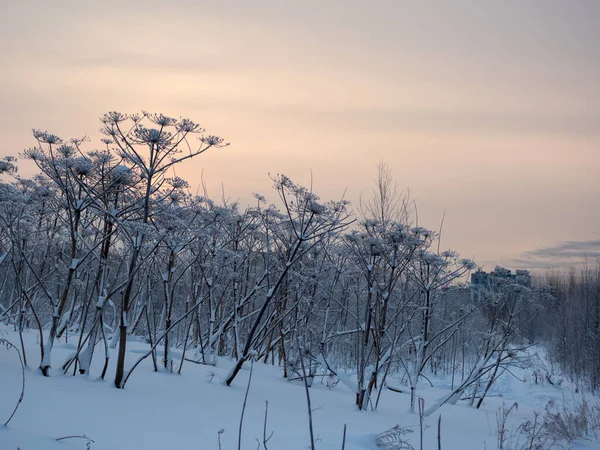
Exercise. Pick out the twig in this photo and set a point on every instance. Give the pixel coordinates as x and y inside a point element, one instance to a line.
<point>88,444</point>
<point>265,438</point>
<point>203,363</point>
<point>8,346</point>
<point>421,409</point>
<point>219,433</point>
<point>310,424</point>
<point>244,405</point>
<point>75,436</point>
<point>440,432</point>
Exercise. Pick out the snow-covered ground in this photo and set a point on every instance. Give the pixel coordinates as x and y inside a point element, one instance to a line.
<point>187,411</point>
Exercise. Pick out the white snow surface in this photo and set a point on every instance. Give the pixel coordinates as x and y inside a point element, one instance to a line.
<point>164,410</point>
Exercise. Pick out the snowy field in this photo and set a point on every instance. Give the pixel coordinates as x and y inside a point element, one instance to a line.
<point>187,411</point>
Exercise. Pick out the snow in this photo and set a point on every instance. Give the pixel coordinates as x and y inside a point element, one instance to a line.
<point>163,410</point>
<point>101,301</point>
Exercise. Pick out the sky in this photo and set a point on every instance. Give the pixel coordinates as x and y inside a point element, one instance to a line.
<point>488,111</point>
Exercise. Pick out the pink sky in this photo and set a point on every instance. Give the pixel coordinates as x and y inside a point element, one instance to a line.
<point>489,111</point>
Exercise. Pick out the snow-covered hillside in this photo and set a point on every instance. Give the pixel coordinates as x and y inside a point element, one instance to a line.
<point>188,411</point>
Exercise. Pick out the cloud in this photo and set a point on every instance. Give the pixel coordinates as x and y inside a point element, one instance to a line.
<point>563,254</point>
<point>463,120</point>
<point>474,122</point>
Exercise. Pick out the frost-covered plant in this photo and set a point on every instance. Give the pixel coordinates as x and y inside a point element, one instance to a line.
<point>535,433</point>
<point>571,421</point>
<point>553,429</point>
<point>394,438</point>
<point>501,417</point>
<point>303,229</point>
<point>8,165</point>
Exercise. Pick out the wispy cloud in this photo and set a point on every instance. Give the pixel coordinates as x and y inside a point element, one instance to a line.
<point>563,254</point>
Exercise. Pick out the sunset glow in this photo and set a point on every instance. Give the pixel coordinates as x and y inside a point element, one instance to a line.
<point>488,112</point>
